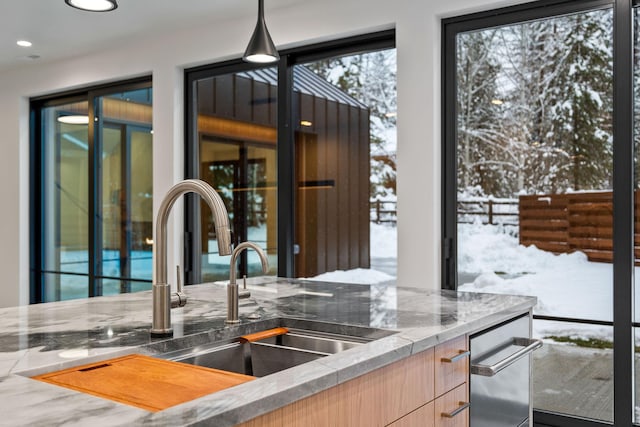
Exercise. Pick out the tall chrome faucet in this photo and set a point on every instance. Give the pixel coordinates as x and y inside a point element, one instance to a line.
<point>232,288</point>
<point>161,290</point>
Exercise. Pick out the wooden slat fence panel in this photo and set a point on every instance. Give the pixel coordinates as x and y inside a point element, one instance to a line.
<point>544,222</point>
<point>564,223</point>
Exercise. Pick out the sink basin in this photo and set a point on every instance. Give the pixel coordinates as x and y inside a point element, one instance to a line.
<point>269,355</point>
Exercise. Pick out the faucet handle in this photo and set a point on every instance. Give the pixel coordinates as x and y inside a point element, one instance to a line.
<point>244,293</point>
<point>179,287</point>
<point>178,298</point>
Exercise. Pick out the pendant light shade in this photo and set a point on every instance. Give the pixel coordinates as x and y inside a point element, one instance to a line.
<point>261,48</point>
<point>93,5</point>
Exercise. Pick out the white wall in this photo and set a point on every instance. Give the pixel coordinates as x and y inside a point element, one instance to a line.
<point>417,24</point>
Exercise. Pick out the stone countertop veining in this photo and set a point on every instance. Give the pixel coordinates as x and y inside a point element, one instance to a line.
<point>46,337</point>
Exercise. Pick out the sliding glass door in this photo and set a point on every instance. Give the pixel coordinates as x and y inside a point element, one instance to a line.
<point>233,148</point>
<point>537,190</point>
<point>244,173</point>
<point>92,188</point>
<point>65,189</point>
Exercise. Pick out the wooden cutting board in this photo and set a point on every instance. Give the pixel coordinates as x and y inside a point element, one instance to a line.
<point>143,381</point>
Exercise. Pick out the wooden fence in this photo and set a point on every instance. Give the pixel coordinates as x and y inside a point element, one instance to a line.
<point>564,223</point>
<point>490,211</point>
<point>383,211</point>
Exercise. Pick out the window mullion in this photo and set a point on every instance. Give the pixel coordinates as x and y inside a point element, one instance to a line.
<point>623,206</point>
<point>95,190</point>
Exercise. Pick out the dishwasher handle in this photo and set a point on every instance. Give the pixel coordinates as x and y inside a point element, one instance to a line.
<point>529,345</point>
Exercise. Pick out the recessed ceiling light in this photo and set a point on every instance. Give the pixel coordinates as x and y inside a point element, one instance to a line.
<point>93,5</point>
<point>24,43</point>
<point>74,120</point>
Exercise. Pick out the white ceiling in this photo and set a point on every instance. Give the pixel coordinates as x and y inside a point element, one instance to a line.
<point>58,31</point>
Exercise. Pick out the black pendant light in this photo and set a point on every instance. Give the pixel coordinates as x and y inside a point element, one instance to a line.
<point>93,5</point>
<point>261,48</point>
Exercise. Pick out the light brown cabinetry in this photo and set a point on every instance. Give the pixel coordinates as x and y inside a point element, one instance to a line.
<point>451,390</point>
<point>415,391</point>
<point>451,408</point>
<point>421,417</point>
<point>452,364</point>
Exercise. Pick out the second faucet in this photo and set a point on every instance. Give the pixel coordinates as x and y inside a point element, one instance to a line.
<point>232,288</point>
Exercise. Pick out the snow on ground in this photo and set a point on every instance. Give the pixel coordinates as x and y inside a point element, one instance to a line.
<point>384,240</point>
<point>491,260</point>
<point>567,285</point>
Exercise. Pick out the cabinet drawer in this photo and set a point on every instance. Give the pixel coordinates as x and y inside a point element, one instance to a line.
<point>386,394</point>
<point>451,364</point>
<point>452,408</point>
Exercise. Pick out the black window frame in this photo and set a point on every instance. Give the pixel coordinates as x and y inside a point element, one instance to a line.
<point>623,205</point>
<point>369,42</point>
<point>36,215</point>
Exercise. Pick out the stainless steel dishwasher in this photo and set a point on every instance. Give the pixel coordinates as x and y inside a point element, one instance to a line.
<point>500,380</point>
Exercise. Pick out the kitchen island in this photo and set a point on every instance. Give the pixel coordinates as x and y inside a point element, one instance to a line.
<point>47,337</point>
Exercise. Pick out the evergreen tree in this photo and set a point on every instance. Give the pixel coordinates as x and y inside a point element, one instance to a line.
<point>553,131</point>
<point>583,111</point>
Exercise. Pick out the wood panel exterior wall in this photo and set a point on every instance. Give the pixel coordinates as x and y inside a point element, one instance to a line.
<point>331,161</point>
<point>332,171</point>
<point>564,223</point>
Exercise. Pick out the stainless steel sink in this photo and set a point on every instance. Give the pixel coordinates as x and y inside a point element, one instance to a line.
<point>266,356</point>
<point>227,356</point>
<point>315,341</point>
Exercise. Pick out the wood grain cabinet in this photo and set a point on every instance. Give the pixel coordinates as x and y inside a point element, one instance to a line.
<point>421,417</point>
<point>451,389</point>
<point>451,409</point>
<point>424,390</point>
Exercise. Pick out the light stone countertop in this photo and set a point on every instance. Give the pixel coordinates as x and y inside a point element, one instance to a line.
<point>46,337</point>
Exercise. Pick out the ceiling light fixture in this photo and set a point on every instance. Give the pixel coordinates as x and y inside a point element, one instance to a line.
<point>261,48</point>
<point>93,5</point>
<point>24,43</point>
<point>74,120</point>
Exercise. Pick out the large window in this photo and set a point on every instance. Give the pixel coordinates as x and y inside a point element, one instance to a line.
<point>234,150</point>
<point>303,155</point>
<point>92,193</point>
<point>537,190</point>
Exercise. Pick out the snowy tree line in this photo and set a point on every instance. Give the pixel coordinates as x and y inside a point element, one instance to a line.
<point>534,106</point>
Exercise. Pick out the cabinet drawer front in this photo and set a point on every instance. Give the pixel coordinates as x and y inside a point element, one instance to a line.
<point>452,408</point>
<point>407,385</point>
<point>452,364</point>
